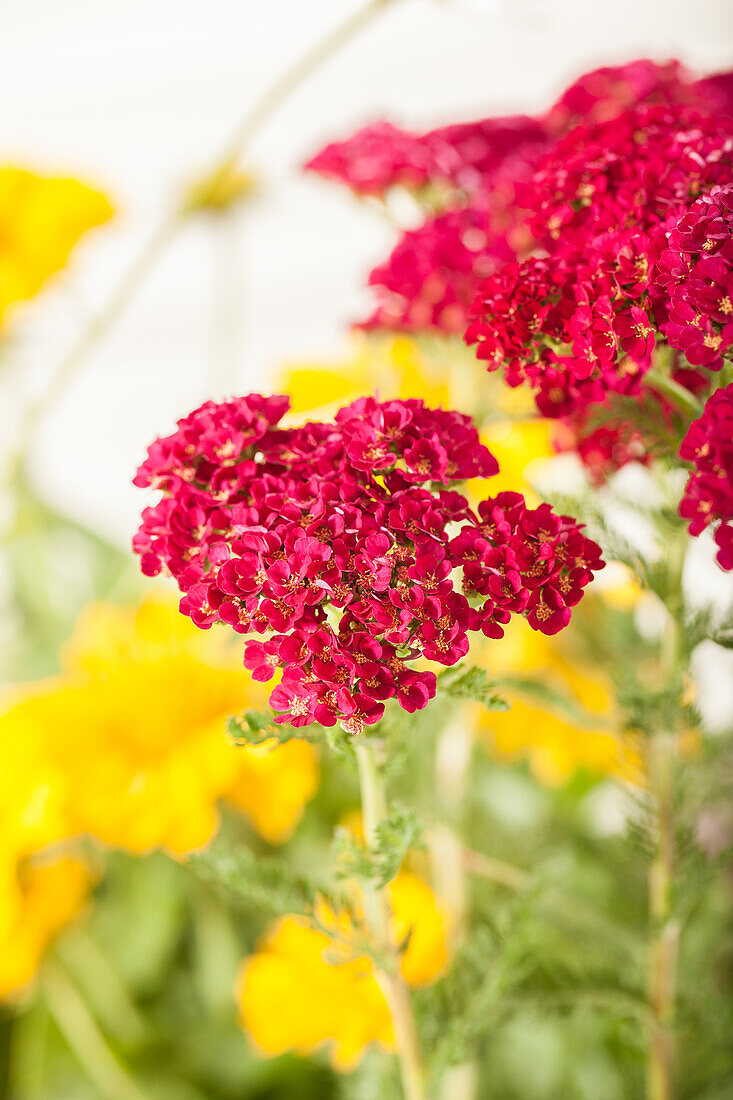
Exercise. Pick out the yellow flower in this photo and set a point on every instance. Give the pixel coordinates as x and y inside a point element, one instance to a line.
<point>136,726</point>
<point>41,219</point>
<point>555,746</point>
<point>32,793</point>
<point>619,587</point>
<point>519,446</point>
<point>302,989</point>
<point>393,367</point>
<point>37,895</point>
<point>37,899</point>
<point>272,784</point>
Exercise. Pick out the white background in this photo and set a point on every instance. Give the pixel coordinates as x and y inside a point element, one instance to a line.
<point>136,95</point>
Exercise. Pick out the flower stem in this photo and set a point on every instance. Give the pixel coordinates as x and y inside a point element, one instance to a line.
<point>396,993</point>
<point>110,1080</point>
<point>272,99</point>
<point>452,761</point>
<point>679,396</point>
<point>453,751</point>
<point>664,929</point>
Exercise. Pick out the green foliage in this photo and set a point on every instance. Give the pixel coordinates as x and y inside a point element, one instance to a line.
<point>548,991</point>
<point>469,682</point>
<point>251,878</point>
<point>252,727</point>
<point>379,864</point>
<point>53,566</point>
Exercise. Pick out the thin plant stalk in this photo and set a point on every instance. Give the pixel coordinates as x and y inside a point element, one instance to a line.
<point>449,872</point>
<point>396,992</point>
<point>272,99</point>
<point>664,929</point>
<point>453,751</point>
<point>452,765</point>
<point>78,1027</point>
<point>676,394</point>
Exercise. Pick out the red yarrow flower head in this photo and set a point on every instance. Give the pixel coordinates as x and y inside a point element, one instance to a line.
<point>462,158</point>
<point>708,497</point>
<point>432,275</point>
<point>692,281</point>
<point>344,552</point>
<point>604,93</point>
<point>582,321</point>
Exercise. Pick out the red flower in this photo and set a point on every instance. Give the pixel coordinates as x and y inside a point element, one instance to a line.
<point>433,273</point>
<point>547,611</point>
<point>708,497</point>
<point>351,577</point>
<point>693,280</point>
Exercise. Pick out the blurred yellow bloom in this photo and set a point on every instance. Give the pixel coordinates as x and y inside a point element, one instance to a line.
<point>37,895</point>
<point>32,793</point>
<point>136,728</point>
<point>619,587</point>
<point>555,746</point>
<point>273,782</point>
<point>41,219</point>
<point>303,989</point>
<point>393,367</point>
<point>36,901</point>
<point>518,446</point>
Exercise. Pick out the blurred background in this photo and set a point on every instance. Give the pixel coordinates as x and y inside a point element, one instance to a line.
<point>132,1000</point>
<point>137,98</point>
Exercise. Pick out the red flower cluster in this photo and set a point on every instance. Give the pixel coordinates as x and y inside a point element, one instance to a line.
<point>708,496</point>
<point>603,450</point>
<point>461,156</point>
<point>716,92</point>
<point>637,172</point>
<point>573,327</point>
<point>638,131</point>
<point>605,93</point>
<point>432,276</point>
<point>693,281</point>
<point>344,545</point>
<point>581,322</point>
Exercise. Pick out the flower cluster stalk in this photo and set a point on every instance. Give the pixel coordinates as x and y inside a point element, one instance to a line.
<point>449,872</point>
<point>664,929</point>
<point>396,993</point>
<point>223,166</point>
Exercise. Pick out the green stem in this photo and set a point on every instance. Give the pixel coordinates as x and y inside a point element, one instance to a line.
<point>78,1027</point>
<point>452,764</point>
<point>495,870</point>
<point>664,929</point>
<point>396,993</point>
<point>254,119</point>
<point>678,395</point>
<point>453,751</point>
<point>28,1054</point>
<point>89,967</point>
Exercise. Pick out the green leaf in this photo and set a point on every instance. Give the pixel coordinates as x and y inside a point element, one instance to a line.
<point>266,881</point>
<point>473,683</point>
<point>396,834</point>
